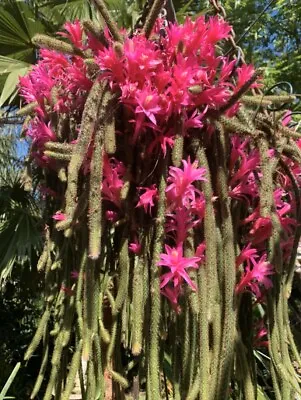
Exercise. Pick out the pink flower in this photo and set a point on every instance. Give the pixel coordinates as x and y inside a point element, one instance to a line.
<point>172,294</point>
<point>244,73</point>
<point>287,117</point>
<point>249,163</point>
<point>218,29</point>
<point>256,275</point>
<point>181,189</point>
<point>261,230</point>
<point>200,251</point>
<point>40,133</point>
<point>245,189</point>
<point>58,216</point>
<point>260,332</point>
<point>246,254</point>
<point>74,274</point>
<point>111,216</point>
<point>179,223</point>
<point>67,290</point>
<point>135,247</point>
<point>147,198</point>
<point>148,103</point>
<point>75,33</point>
<point>177,264</point>
<point>112,183</point>
<point>195,120</point>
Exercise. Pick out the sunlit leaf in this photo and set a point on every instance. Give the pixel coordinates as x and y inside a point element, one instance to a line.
<point>10,87</point>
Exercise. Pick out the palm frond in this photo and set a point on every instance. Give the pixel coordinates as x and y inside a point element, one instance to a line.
<point>20,228</point>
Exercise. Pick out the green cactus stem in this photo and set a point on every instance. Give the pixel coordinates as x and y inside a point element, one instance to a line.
<point>155,289</point>
<point>97,31</point>
<point>152,16</point>
<point>229,269</point>
<point>123,281</point>
<point>58,156</point>
<point>74,366</point>
<point>88,125</point>
<point>95,205</point>
<point>44,364</point>
<point>237,95</point>
<point>38,335</point>
<point>178,147</point>
<point>138,307</point>
<point>102,8</point>
<point>51,43</point>
<point>28,109</point>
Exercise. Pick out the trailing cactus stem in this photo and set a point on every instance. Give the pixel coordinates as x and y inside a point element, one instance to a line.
<point>152,16</point>
<point>51,43</point>
<point>177,150</point>
<point>38,335</point>
<point>43,367</point>
<point>102,8</point>
<point>123,282</point>
<point>57,156</point>
<point>110,136</point>
<point>155,290</point>
<point>28,109</point>
<point>234,125</point>
<point>266,184</point>
<point>204,335</point>
<point>138,306</point>
<point>74,366</point>
<point>97,31</point>
<point>95,204</point>
<point>88,124</point>
<point>229,269</point>
<point>59,147</point>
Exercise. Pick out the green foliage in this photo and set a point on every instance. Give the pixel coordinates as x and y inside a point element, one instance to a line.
<point>19,312</point>
<point>20,228</point>
<point>9,381</point>
<point>274,42</point>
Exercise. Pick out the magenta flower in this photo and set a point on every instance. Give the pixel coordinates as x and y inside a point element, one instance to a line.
<point>113,172</point>
<point>218,29</point>
<point>148,104</point>
<point>200,252</point>
<point>111,216</point>
<point>146,199</point>
<point>244,73</point>
<point>249,164</point>
<point>179,223</point>
<point>59,216</point>
<point>74,274</point>
<point>174,260</point>
<point>260,333</point>
<point>261,230</point>
<point>135,247</point>
<point>257,274</point>
<point>246,254</point>
<point>74,33</point>
<point>172,294</point>
<point>67,290</point>
<point>181,190</point>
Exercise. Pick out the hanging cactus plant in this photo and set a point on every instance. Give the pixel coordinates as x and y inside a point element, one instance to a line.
<point>173,200</point>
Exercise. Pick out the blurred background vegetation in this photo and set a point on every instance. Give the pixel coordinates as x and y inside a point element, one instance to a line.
<point>268,31</point>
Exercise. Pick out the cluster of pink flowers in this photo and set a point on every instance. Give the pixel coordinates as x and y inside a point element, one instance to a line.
<point>161,81</point>
<point>185,211</point>
<point>153,78</point>
<point>257,229</point>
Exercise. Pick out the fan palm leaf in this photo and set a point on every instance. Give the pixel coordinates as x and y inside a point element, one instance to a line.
<point>20,227</point>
